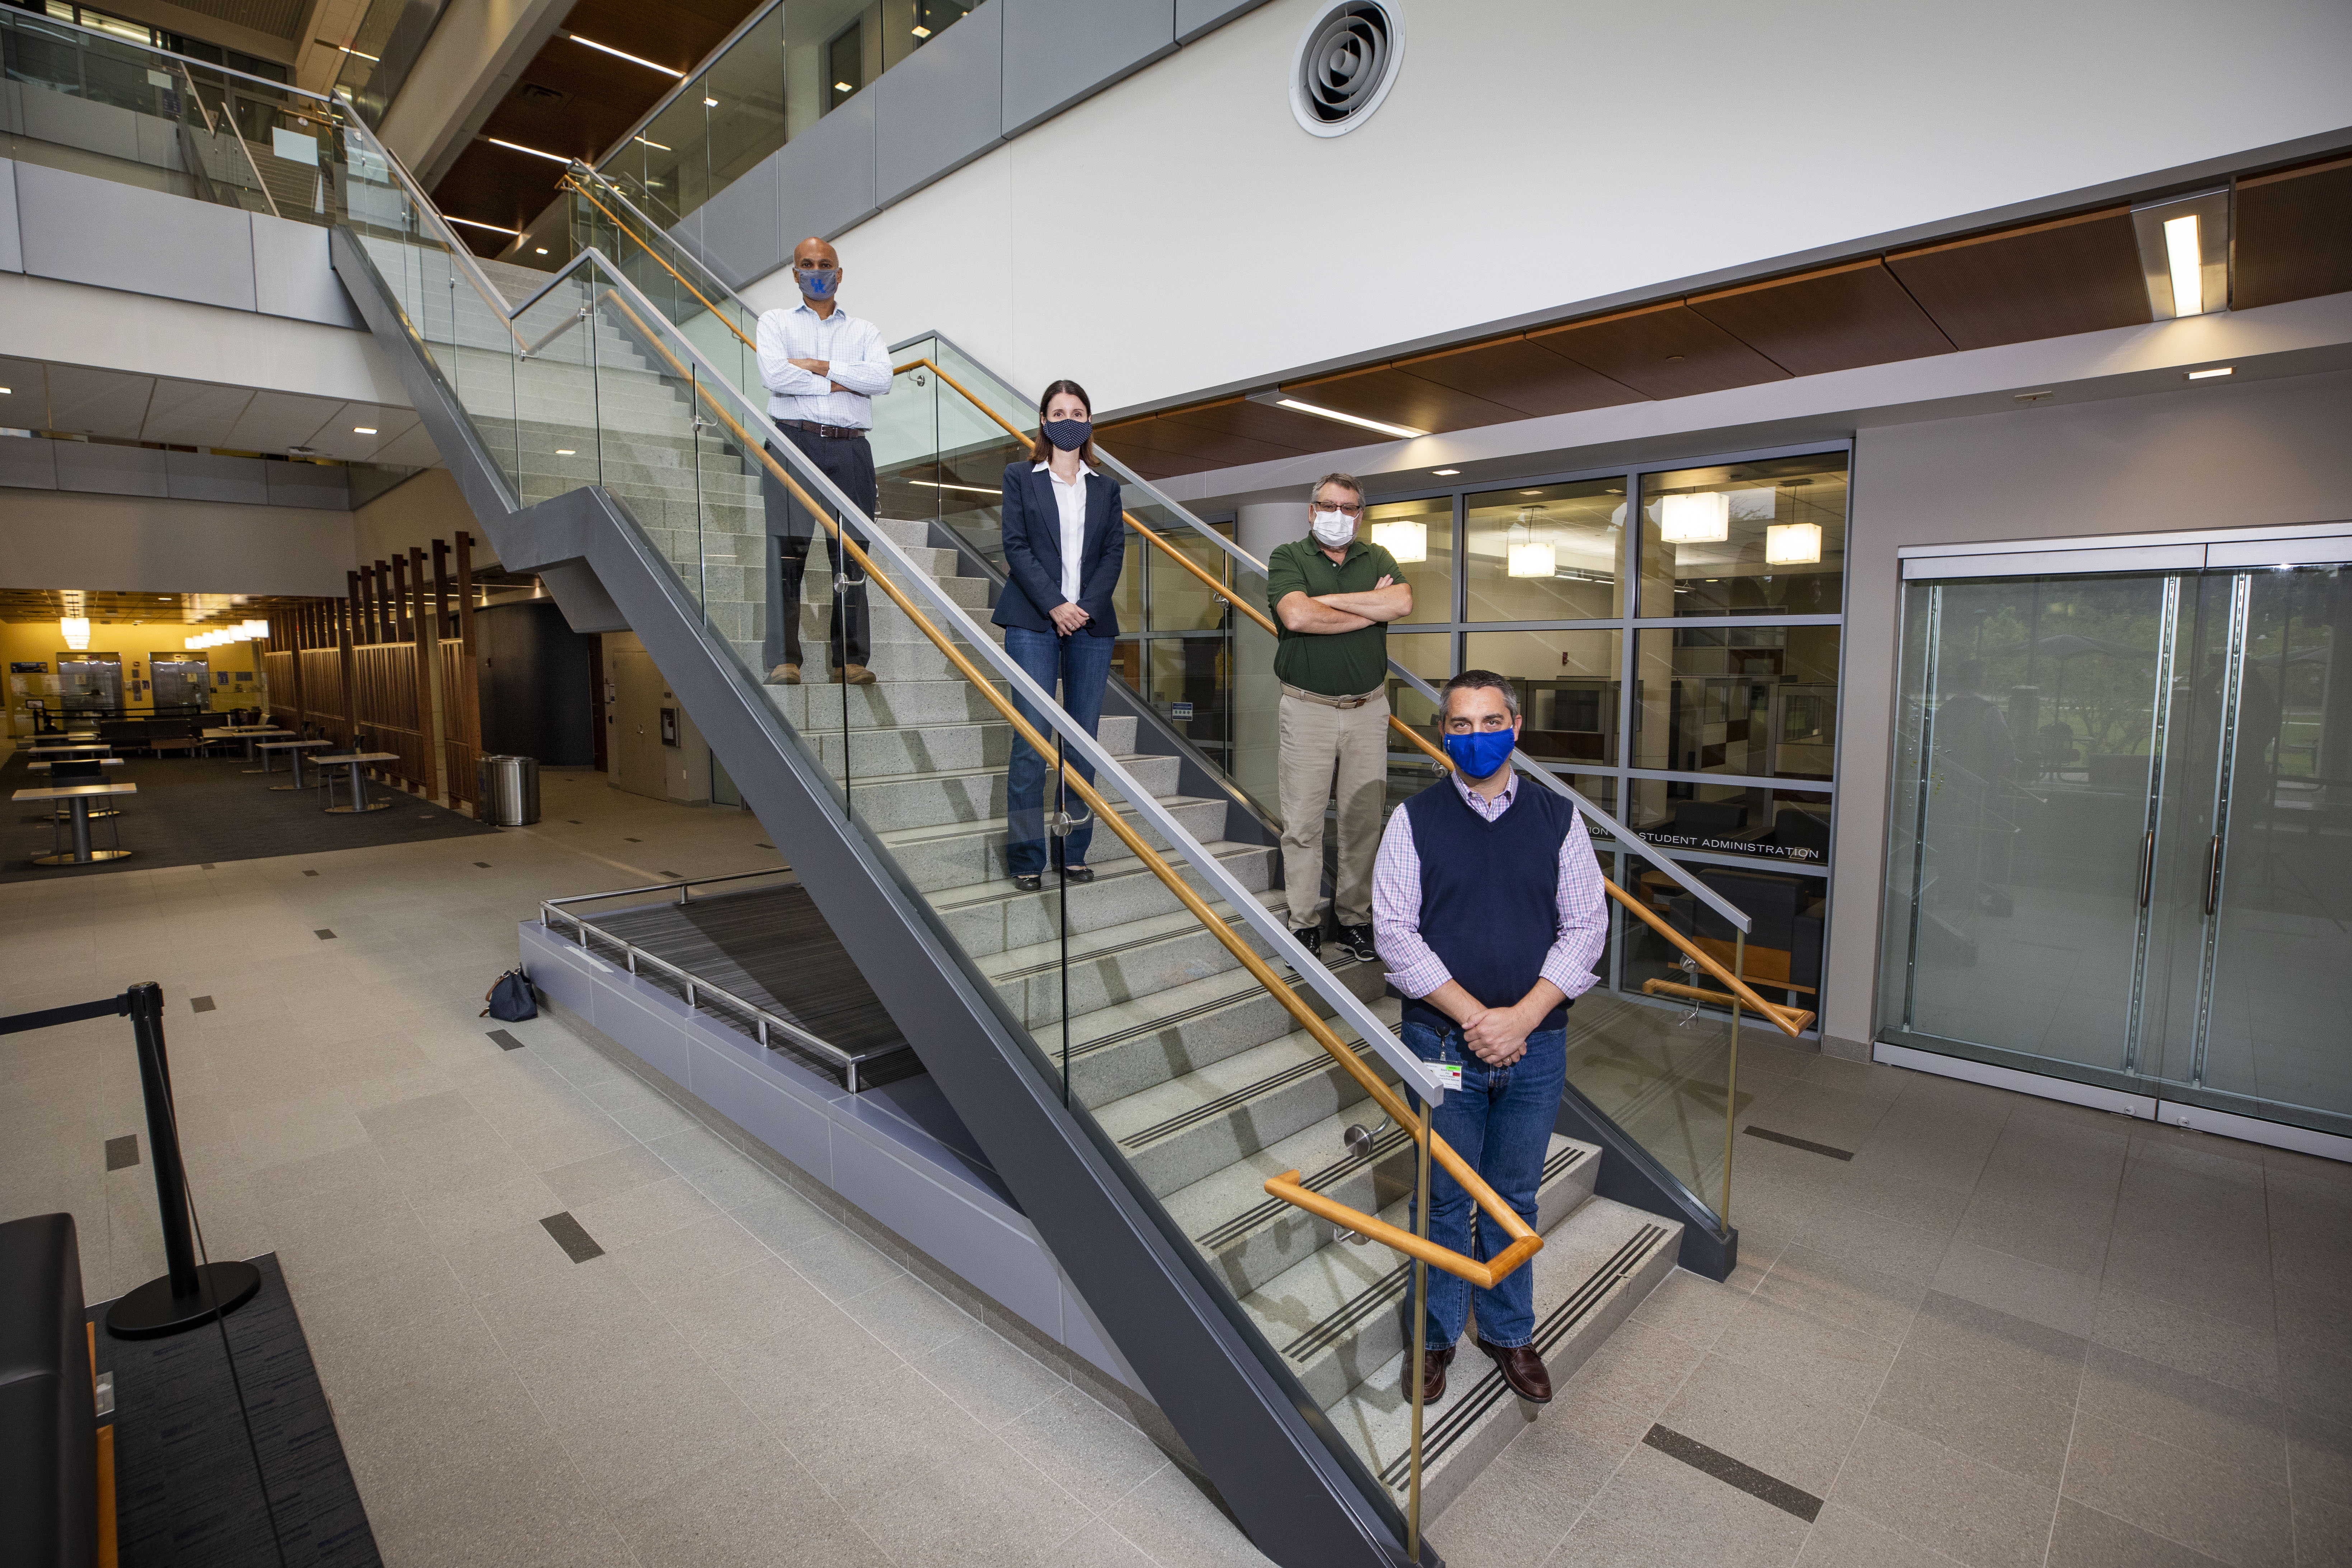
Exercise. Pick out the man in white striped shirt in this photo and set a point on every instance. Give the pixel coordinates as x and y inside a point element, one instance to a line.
<point>1489,910</point>
<point>821,367</point>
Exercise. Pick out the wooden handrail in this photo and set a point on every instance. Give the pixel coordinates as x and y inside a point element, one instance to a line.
<point>1482,1275</point>
<point>665,265</point>
<point>1655,987</point>
<point>1259,970</point>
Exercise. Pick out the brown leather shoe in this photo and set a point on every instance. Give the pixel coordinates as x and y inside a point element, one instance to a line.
<point>785,675</point>
<point>1433,1362</point>
<point>856,675</point>
<point>1524,1370</point>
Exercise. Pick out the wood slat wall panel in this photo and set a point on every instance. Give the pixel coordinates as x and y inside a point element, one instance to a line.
<point>388,709</point>
<point>323,692</point>
<point>2294,234</point>
<point>278,669</point>
<point>461,717</point>
<point>1836,319</point>
<point>2046,280</point>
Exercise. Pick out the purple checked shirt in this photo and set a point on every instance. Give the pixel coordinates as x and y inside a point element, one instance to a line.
<point>1416,971</point>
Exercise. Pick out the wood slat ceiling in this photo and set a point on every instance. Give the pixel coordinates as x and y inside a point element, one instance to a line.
<point>2291,234</point>
<point>2079,274</point>
<point>2292,239</point>
<point>575,101</point>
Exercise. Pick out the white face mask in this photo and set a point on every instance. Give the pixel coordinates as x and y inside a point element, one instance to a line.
<point>1333,529</point>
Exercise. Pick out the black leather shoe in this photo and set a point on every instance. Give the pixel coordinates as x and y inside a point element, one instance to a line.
<point>1028,881</point>
<point>1524,1370</point>
<point>1311,939</point>
<point>1079,874</point>
<point>1356,942</point>
<point>1433,1362</point>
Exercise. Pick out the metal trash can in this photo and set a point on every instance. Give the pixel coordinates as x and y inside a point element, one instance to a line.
<point>506,791</point>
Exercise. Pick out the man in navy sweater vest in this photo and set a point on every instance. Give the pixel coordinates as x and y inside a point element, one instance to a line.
<point>1487,909</point>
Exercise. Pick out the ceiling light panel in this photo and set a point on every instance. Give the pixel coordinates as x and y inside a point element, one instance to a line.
<point>2184,251</point>
<point>1277,398</point>
<point>622,54</point>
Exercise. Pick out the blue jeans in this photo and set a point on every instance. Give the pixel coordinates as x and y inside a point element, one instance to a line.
<point>1500,1121</point>
<point>1082,665</point>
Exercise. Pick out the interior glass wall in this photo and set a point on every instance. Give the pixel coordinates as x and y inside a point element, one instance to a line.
<point>2121,846</point>
<point>1700,708</point>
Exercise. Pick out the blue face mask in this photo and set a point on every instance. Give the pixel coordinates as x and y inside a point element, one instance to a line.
<point>1069,435</point>
<point>819,284</point>
<point>1481,754</point>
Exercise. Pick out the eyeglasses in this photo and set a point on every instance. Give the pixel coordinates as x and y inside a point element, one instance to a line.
<point>1353,508</point>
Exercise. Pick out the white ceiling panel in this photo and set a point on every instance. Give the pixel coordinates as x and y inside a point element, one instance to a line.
<point>358,431</point>
<point>193,413</point>
<point>98,402</point>
<point>274,421</point>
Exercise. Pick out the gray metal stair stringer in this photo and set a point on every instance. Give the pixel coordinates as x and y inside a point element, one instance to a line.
<point>1270,1450</point>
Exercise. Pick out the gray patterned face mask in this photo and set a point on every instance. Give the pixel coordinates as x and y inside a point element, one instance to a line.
<point>1069,435</point>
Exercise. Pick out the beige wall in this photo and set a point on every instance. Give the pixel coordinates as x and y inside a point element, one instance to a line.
<point>634,758</point>
<point>416,511</point>
<point>145,544</point>
<point>2265,453</point>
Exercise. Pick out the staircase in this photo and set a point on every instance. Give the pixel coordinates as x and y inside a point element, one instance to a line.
<point>1195,1075</point>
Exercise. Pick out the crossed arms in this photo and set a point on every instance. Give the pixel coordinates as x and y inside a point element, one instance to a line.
<point>1387,600</point>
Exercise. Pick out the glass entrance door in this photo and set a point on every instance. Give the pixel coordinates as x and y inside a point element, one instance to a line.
<point>2121,846</point>
<point>2250,906</point>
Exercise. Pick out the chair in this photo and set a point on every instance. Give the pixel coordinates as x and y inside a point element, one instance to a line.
<point>172,737</point>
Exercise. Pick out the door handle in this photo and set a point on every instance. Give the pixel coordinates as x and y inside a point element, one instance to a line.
<point>2212,874</point>
<point>2146,870</point>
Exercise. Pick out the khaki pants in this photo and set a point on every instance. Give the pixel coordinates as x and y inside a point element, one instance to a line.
<point>1317,738</point>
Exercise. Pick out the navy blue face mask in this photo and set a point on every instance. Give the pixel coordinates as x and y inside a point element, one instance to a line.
<point>818,284</point>
<point>1069,435</point>
<point>1481,753</point>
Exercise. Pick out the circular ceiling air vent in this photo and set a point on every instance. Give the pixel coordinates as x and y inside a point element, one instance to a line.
<point>1347,58</point>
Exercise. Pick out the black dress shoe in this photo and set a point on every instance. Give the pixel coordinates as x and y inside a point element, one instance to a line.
<point>1027,881</point>
<point>1433,1362</point>
<point>1524,1370</point>
<point>1078,874</point>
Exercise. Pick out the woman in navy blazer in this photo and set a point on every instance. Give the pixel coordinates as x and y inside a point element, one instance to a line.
<point>1065,540</point>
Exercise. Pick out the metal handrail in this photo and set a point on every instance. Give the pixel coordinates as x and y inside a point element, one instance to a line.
<point>122,43</point>
<point>762,1020</point>
<point>684,885</point>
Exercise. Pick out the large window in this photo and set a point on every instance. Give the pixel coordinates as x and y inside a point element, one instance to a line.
<point>1699,708</point>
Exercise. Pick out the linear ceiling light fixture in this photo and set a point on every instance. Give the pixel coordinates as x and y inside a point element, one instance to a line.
<point>1275,397</point>
<point>476,223</point>
<point>346,49</point>
<point>2184,250</point>
<point>622,54</point>
<point>2209,375</point>
<point>518,147</point>
<point>943,485</point>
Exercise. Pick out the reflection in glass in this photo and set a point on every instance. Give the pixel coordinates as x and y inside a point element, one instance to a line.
<point>1753,820</point>
<point>1787,912</point>
<point>2025,719</point>
<point>1430,656</point>
<point>1746,538</point>
<point>1545,552</point>
<point>1419,534</point>
<point>1757,701</point>
<point>1568,685</point>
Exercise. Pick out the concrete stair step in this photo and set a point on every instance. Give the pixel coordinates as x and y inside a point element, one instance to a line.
<point>959,854</point>
<point>995,916</point>
<point>1337,1316</point>
<point>1594,1269</point>
<point>1114,963</point>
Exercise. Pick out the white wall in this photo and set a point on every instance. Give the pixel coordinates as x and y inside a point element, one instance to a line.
<point>1180,232</point>
<point>59,538</point>
<point>419,509</point>
<point>2265,453</point>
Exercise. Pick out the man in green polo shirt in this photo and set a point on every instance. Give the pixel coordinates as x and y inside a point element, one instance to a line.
<point>1334,595</point>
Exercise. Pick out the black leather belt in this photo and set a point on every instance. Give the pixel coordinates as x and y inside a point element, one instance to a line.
<point>829,432</point>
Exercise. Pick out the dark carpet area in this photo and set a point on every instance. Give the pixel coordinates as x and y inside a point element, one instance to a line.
<point>186,1491</point>
<point>190,810</point>
<point>770,947</point>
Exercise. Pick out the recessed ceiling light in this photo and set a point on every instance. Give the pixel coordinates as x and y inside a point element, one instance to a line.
<point>2209,375</point>
<point>362,429</point>
<point>7,391</point>
<point>2180,254</point>
<point>1531,493</point>
<point>922,31</point>
<point>540,251</point>
<point>1446,473</point>
<point>619,55</point>
<point>843,87</point>
<point>1274,397</point>
<point>710,103</point>
<point>565,451</point>
<point>518,147</point>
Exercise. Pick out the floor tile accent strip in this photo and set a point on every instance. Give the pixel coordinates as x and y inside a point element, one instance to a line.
<point>577,1244</point>
<point>1805,1143</point>
<point>1731,1472</point>
<point>122,1153</point>
<point>202,1004</point>
<point>505,1041</point>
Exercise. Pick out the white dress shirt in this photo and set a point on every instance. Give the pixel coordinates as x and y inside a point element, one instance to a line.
<point>1070,500</point>
<point>1415,969</point>
<point>852,351</point>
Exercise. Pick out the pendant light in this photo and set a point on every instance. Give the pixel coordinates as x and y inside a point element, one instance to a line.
<point>1792,544</point>
<point>1695,519</point>
<point>1405,540</point>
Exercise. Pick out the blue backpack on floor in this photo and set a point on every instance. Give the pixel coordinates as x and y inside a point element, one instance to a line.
<point>509,998</point>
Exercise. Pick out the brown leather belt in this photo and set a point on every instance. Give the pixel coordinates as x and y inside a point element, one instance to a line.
<point>829,432</point>
<point>1316,697</point>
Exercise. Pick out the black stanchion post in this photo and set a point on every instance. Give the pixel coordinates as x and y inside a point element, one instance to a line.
<point>189,1293</point>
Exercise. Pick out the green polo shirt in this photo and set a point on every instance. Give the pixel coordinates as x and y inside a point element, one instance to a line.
<point>1331,664</point>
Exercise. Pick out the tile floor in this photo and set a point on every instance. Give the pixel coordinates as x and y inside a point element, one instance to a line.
<point>2005,1332</point>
